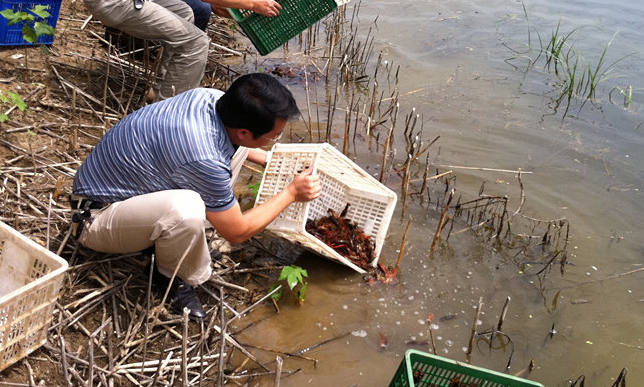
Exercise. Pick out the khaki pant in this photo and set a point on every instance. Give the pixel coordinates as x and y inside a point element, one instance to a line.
<point>170,22</point>
<point>167,220</point>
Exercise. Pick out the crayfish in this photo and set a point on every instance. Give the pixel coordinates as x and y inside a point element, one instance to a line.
<point>343,236</point>
<point>382,274</point>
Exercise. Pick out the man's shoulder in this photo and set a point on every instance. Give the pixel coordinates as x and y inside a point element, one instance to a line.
<point>204,92</point>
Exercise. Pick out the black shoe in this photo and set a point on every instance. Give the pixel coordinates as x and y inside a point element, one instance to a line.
<point>216,256</point>
<point>181,295</point>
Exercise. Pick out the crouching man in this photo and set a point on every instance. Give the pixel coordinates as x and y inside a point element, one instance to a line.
<point>159,174</point>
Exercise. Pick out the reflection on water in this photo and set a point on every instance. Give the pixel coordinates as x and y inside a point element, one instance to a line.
<point>587,167</point>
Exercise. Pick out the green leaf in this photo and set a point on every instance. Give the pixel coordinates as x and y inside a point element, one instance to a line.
<point>284,273</point>
<point>293,275</point>
<point>8,14</point>
<point>25,17</point>
<point>277,295</point>
<point>254,188</point>
<point>29,34</point>
<point>15,98</point>
<point>292,281</point>
<point>17,17</point>
<point>43,29</point>
<point>41,11</point>
<point>4,117</point>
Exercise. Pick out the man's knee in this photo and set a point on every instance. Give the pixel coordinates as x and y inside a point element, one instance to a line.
<point>200,44</point>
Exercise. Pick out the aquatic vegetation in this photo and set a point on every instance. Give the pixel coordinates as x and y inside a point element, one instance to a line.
<point>294,277</point>
<point>577,75</point>
<point>626,93</point>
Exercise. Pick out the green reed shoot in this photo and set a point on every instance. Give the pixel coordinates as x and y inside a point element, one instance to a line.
<point>627,94</point>
<point>577,75</point>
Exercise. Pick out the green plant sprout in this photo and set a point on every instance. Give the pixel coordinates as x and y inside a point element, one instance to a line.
<point>627,93</point>
<point>294,276</point>
<point>29,33</point>
<point>254,188</point>
<point>8,98</point>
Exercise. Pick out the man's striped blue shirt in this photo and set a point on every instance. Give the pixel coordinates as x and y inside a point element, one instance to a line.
<point>179,143</point>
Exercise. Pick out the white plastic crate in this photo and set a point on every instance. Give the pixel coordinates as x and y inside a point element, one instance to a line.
<point>371,204</point>
<point>31,280</point>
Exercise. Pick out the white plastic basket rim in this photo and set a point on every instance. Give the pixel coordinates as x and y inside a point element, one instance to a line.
<point>62,264</point>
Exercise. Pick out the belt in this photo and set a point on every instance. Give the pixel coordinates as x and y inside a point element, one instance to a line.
<point>82,203</point>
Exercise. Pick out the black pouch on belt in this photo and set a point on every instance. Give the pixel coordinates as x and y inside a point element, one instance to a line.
<point>79,220</point>
<point>82,215</point>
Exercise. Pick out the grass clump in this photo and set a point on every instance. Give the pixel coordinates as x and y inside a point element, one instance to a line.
<point>577,76</point>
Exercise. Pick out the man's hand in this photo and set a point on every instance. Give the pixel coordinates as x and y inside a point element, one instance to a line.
<point>237,227</point>
<point>305,186</point>
<point>266,7</point>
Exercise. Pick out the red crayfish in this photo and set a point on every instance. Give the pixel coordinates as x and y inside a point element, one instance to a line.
<point>343,236</point>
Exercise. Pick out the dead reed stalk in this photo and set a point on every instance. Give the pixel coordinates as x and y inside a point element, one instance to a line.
<point>470,344</point>
<point>402,244</point>
<point>442,221</point>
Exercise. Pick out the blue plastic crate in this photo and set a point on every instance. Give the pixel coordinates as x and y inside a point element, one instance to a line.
<point>12,35</point>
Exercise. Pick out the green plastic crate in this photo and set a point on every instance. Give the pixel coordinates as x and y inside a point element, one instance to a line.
<point>421,369</point>
<point>269,33</point>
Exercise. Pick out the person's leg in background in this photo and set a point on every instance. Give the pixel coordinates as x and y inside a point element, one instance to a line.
<point>202,12</point>
<point>169,22</point>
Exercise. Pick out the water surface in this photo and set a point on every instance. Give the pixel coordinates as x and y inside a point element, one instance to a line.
<point>492,111</point>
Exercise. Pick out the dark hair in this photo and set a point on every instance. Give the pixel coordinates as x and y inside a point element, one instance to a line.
<point>254,101</point>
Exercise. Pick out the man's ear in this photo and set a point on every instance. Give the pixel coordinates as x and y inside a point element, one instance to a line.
<point>245,134</point>
<point>240,134</point>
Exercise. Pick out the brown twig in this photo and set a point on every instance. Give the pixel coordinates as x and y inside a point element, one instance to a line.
<point>402,244</point>
<point>470,345</point>
<point>442,221</point>
<point>431,334</point>
<point>278,370</point>
<point>184,348</point>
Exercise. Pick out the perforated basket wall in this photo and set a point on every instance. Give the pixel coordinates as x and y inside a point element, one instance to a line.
<point>31,281</point>
<point>371,204</point>
<point>420,369</point>
<point>269,33</point>
<point>11,35</point>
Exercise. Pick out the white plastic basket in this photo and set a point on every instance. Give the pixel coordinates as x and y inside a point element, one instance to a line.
<point>371,204</point>
<point>31,280</point>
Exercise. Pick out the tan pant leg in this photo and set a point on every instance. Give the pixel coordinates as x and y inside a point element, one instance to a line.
<point>168,220</point>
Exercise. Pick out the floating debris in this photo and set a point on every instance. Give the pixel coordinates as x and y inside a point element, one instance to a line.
<point>382,342</point>
<point>447,317</point>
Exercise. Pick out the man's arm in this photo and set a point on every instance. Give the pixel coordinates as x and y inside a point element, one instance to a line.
<point>237,227</point>
<point>262,7</point>
<point>257,156</point>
